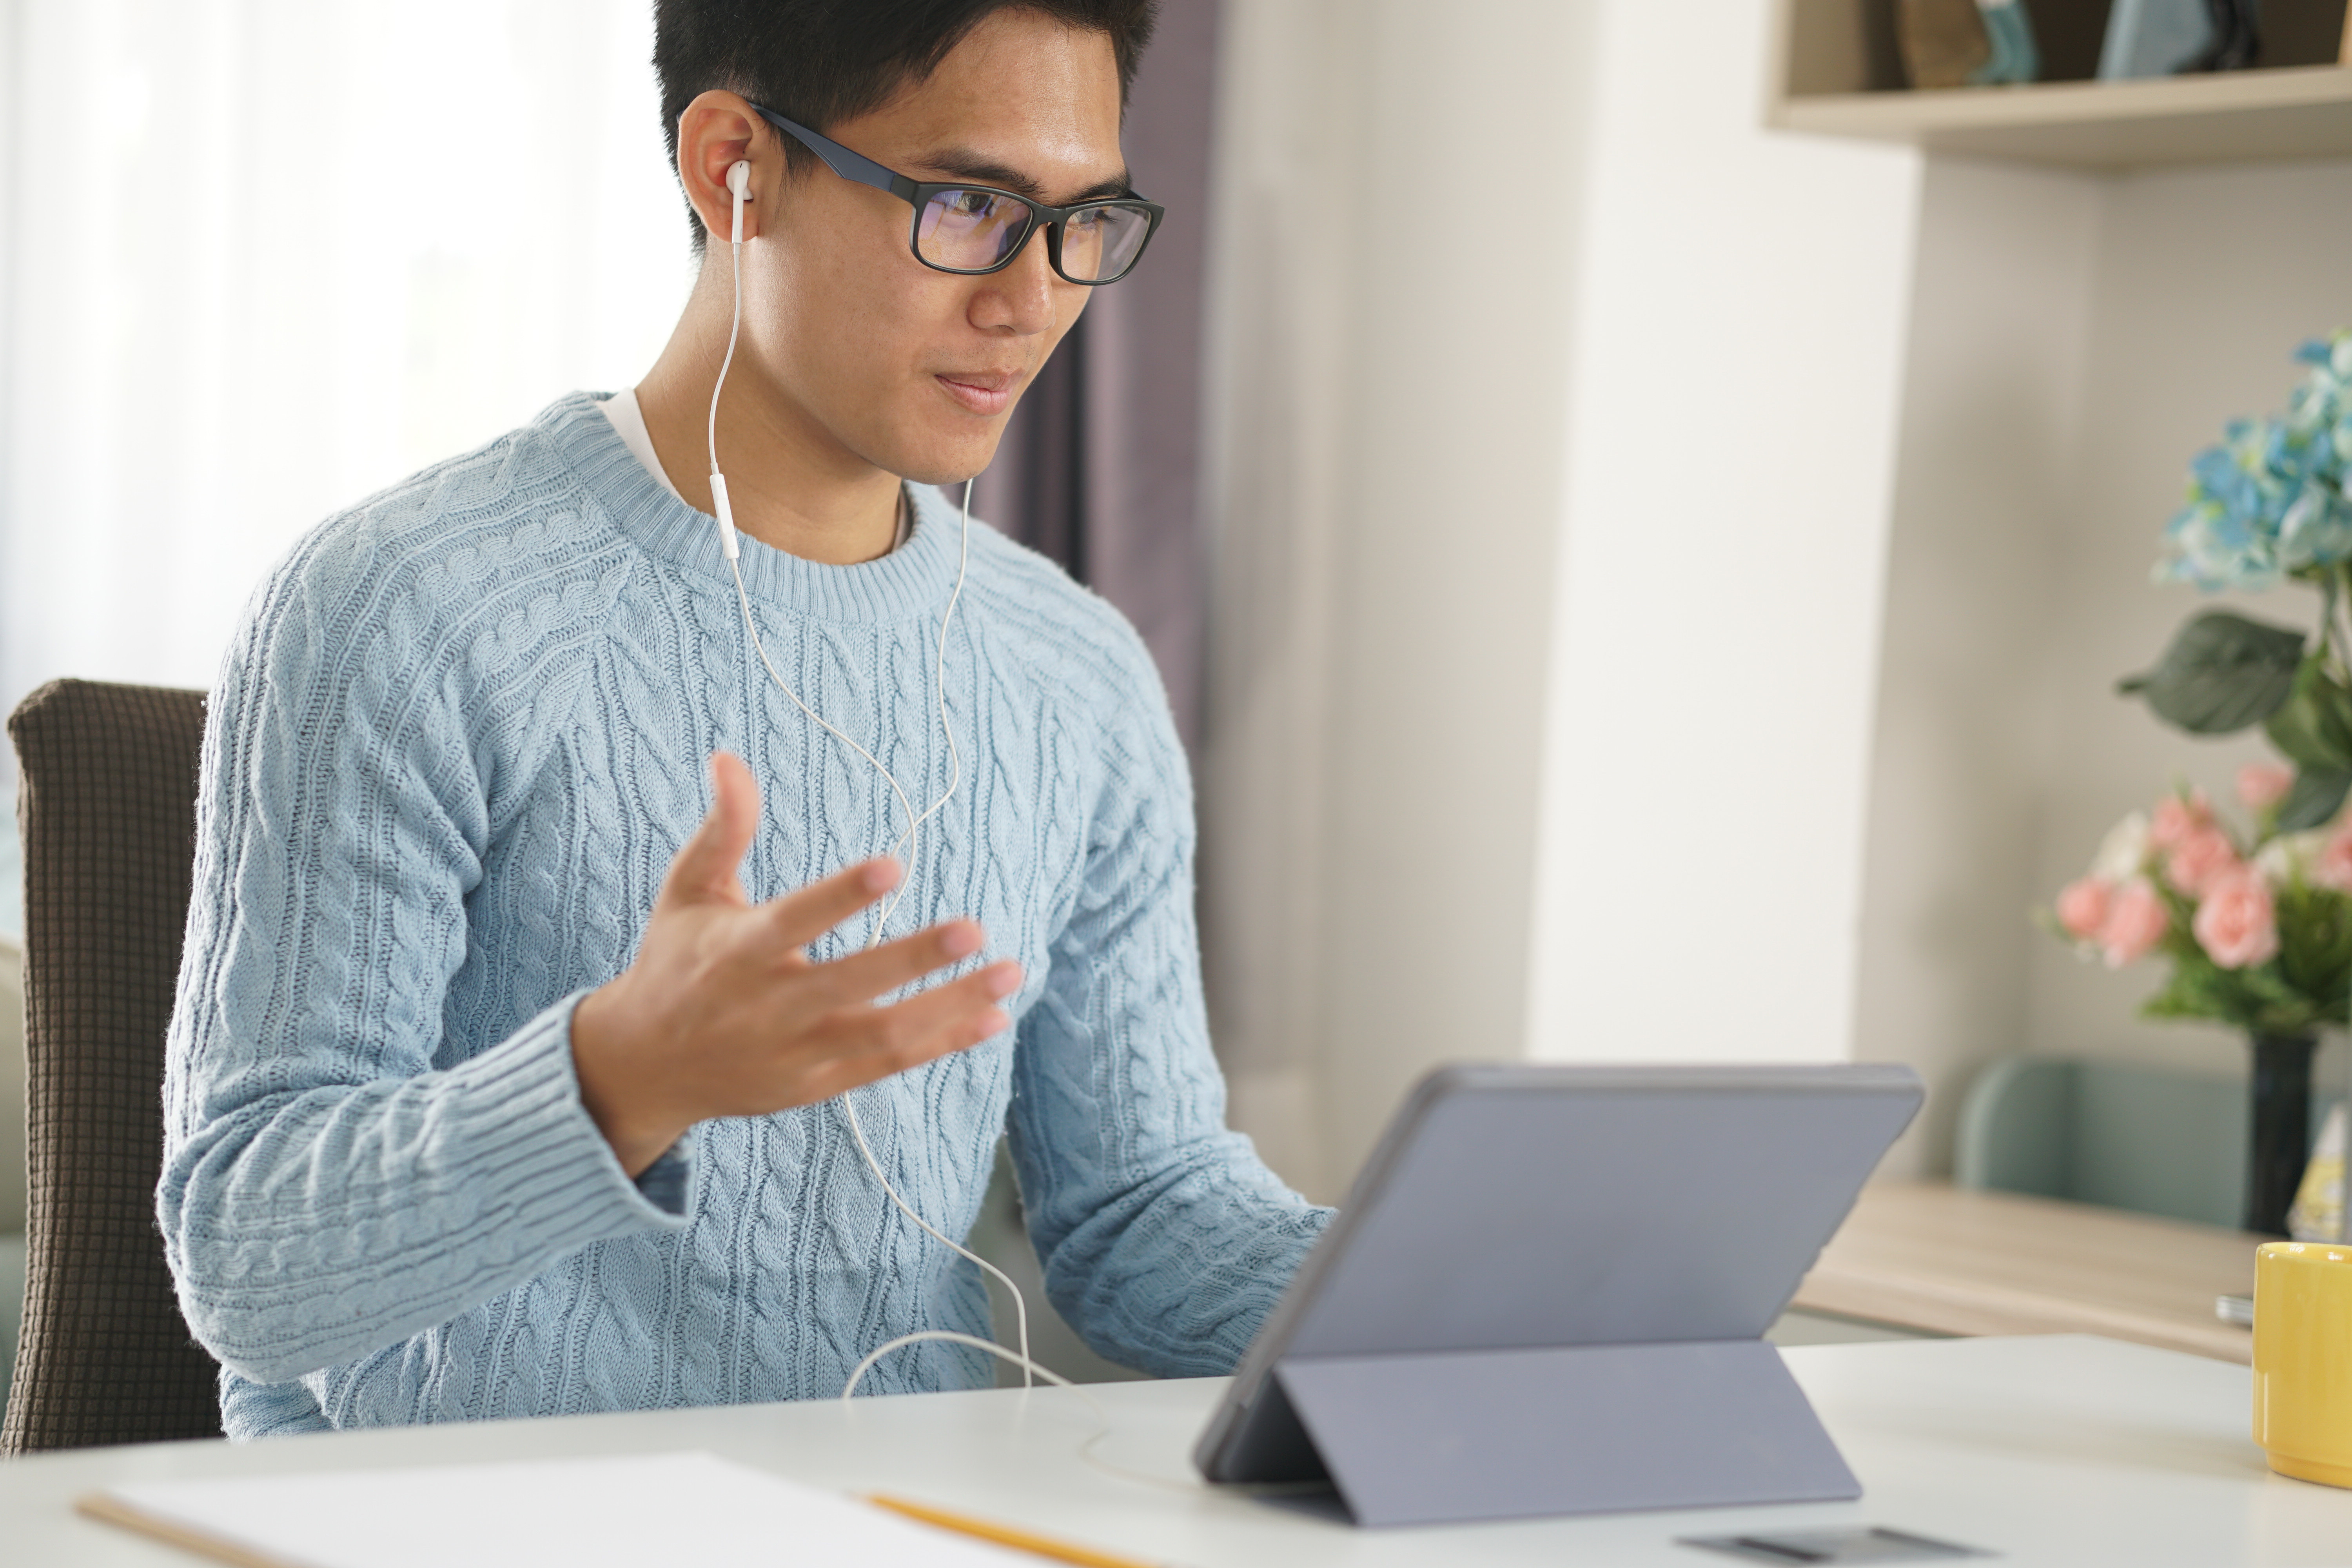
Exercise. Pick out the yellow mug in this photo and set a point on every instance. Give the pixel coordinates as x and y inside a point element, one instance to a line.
<point>2302,1359</point>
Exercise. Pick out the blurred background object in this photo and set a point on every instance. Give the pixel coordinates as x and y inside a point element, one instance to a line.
<point>262,257</point>
<point>2237,40</point>
<point>2318,1211</point>
<point>2154,38</point>
<point>1099,466</point>
<point>2117,1133</point>
<point>1966,43</point>
<point>2015,57</point>
<point>1944,42</point>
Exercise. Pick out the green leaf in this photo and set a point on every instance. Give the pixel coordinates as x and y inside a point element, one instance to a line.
<point>2223,673</point>
<point>2318,794</point>
<point>2315,927</point>
<point>2257,998</point>
<point>2313,727</point>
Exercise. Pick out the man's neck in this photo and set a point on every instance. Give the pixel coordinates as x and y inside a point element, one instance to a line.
<point>788,485</point>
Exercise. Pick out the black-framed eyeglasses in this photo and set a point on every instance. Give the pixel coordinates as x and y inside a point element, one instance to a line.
<point>972,229</point>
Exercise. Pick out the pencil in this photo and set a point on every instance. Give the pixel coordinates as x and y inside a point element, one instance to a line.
<point>1004,1534</point>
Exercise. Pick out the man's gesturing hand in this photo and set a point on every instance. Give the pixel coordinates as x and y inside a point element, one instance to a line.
<point>724,1015</point>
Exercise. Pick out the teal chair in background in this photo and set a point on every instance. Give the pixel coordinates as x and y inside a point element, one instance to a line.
<point>2098,1132</point>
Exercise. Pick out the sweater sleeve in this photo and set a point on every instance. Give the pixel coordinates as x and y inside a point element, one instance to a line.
<point>1165,1240</point>
<point>333,1181</point>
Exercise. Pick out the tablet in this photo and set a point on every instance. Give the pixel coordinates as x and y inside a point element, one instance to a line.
<point>1513,1207</point>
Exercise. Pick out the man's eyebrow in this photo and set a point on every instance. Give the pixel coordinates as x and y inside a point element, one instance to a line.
<point>961,163</point>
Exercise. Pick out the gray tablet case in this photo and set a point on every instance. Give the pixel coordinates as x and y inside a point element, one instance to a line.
<point>1548,1292</point>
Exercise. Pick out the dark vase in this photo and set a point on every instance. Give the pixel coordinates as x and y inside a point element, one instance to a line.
<point>2279,1143</point>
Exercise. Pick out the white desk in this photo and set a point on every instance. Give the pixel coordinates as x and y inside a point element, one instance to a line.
<point>2068,1451</point>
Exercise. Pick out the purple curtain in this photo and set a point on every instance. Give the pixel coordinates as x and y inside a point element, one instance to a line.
<point>1100,464</point>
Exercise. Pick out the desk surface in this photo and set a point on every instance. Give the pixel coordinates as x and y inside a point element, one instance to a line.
<point>2065,1450</point>
<point>1928,1255</point>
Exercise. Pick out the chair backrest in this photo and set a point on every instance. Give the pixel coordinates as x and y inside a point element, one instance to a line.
<point>2112,1132</point>
<point>12,1082</point>
<point>106,799</point>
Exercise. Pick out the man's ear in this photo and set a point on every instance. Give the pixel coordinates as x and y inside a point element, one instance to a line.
<point>717,131</point>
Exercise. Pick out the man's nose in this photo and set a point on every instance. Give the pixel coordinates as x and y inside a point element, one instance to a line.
<point>1019,299</point>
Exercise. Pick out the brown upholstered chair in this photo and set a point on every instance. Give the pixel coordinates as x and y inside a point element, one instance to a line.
<point>106,796</point>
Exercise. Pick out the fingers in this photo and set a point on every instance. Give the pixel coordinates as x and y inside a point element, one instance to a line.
<point>862,976</point>
<point>914,1031</point>
<point>942,1006</point>
<point>705,868</point>
<point>800,918</point>
<point>955,1017</point>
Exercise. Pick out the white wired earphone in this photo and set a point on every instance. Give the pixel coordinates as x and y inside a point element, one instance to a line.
<point>739,182</point>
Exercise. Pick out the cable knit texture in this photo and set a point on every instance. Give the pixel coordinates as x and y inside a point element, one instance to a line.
<point>450,757</point>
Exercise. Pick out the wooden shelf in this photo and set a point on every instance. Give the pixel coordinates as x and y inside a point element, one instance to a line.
<point>1936,1258</point>
<point>2247,116</point>
<point>1837,73</point>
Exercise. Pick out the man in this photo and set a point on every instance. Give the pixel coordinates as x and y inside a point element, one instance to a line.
<point>504,1070</point>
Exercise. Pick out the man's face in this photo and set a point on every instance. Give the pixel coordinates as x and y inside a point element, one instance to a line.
<point>909,370</point>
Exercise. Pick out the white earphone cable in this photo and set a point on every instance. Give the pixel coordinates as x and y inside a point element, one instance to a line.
<point>911,838</point>
<point>734,327</point>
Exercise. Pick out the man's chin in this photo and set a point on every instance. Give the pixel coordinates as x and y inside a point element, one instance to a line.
<point>946,462</point>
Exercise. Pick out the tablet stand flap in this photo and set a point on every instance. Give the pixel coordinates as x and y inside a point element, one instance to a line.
<point>1473,1435</point>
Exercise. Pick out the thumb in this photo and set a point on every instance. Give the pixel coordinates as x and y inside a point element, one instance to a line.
<point>705,868</point>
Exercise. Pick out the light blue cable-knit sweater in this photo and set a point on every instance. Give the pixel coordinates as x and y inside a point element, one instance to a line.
<point>450,755</point>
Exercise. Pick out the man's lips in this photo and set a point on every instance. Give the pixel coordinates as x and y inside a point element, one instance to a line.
<point>982,390</point>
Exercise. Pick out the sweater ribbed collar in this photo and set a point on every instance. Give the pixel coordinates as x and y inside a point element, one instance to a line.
<point>909,581</point>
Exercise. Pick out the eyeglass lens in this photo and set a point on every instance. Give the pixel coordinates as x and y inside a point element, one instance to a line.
<point>974,230</point>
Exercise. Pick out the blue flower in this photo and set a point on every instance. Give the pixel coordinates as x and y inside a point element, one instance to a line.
<point>2275,499</point>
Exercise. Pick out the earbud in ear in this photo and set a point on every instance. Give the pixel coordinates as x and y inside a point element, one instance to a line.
<point>739,180</point>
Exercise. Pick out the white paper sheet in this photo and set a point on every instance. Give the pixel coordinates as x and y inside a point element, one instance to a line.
<point>635,1512</point>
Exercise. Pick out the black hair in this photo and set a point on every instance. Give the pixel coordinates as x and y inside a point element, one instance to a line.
<point>821,63</point>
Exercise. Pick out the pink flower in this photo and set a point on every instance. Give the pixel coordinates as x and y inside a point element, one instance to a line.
<point>2175,819</point>
<point>2136,920</point>
<point>2236,924</point>
<point>2332,867</point>
<point>2262,785</point>
<point>2200,859</point>
<point>2082,907</point>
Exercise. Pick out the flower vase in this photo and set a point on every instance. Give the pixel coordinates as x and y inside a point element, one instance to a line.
<point>2278,1144</point>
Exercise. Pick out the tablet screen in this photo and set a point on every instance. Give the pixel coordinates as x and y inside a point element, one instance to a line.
<point>1522,1206</point>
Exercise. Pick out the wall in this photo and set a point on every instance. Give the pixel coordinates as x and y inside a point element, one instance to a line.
<point>1738,349</point>
<point>1966,731</point>
<point>1552,409</point>
<point>1860,462</point>
<point>1395,235</point>
<point>2074,341</point>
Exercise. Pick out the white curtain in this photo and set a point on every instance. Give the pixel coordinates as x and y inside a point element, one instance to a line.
<point>261,257</point>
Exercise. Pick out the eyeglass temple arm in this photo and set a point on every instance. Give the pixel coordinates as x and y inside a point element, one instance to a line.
<point>849,165</point>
